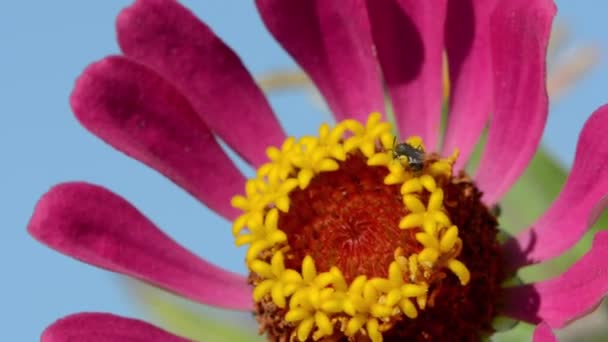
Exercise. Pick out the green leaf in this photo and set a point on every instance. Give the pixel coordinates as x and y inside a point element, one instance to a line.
<point>190,320</point>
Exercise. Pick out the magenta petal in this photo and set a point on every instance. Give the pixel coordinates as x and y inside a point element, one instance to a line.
<point>518,35</point>
<point>90,223</point>
<point>467,40</point>
<point>573,294</point>
<point>331,40</point>
<point>578,205</point>
<point>104,327</point>
<point>136,111</point>
<point>543,333</point>
<point>409,39</point>
<point>167,37</point>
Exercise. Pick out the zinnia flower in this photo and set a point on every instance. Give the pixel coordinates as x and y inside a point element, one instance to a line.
<point>355,234</point>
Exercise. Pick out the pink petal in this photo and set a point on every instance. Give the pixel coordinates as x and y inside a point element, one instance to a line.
<point>104,327</point>
<point>578,205</point>
<point>136,111</point>
<point>167,37</point>
<point>409,39</point>
<point>331,40</point>
<point>543,333</point>
<point>573,294</point>
<point>90,223</point>
<point>519,34</point>
<point>467,40</point>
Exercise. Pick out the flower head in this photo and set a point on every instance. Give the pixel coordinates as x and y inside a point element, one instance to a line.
<point>362,236</point>
<point>357,233</point>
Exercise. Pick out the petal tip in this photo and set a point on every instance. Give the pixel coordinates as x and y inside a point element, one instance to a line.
<point>543,333</point>
<point>51,207</point>
<point>93,85</point>
<point>98,327</point>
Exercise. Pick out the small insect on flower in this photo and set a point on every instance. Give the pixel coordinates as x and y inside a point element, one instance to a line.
<point>414,155</point>
<point>496,210</point>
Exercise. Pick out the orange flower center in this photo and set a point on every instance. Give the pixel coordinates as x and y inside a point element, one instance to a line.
<point>349,219</point>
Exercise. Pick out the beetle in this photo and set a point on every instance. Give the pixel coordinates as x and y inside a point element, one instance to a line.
<point>415,155</point>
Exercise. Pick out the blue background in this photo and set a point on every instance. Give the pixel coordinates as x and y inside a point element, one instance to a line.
<point>46,44</point>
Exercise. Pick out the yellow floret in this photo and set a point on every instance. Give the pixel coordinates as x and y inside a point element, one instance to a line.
<point>366,139</point>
